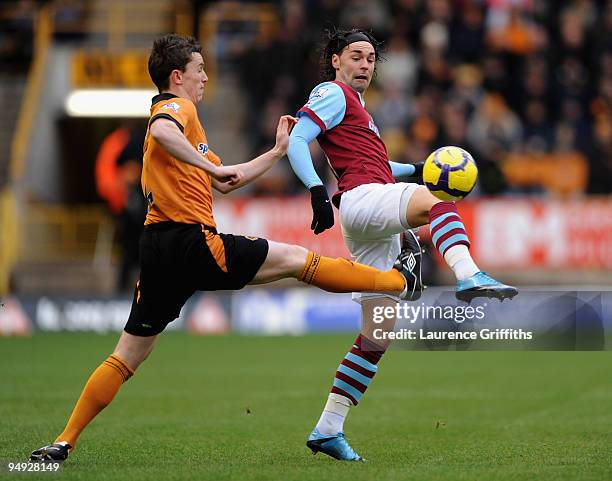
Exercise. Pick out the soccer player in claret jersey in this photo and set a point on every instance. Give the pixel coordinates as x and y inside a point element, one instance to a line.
<point>374,211</point>
<point>181,251</point>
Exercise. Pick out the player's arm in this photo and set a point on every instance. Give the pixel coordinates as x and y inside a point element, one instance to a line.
<point>300,159</point>
<point>406,170</point>
<point>167,134</point>
<point>305,131</point>
<point>324,110</point>
<point>249,171</point>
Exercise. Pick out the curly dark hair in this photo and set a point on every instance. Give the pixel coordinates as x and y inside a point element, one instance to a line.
<point>170,52</point>
<point>335,42</point>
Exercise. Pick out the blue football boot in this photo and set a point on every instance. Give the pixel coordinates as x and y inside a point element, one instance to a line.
<point>335,446</point>
<point>483,285</point>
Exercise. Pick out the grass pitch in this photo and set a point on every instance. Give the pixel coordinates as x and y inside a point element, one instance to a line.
<point>240,408</point>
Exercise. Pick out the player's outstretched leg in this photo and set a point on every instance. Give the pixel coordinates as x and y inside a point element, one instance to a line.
<point>341,275</point>
<point>448,235</point>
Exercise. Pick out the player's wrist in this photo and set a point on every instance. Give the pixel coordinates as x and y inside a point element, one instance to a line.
<point>213,170</point>
<point>319,192</point>
<point>278,152</point>
<point>418,168</point>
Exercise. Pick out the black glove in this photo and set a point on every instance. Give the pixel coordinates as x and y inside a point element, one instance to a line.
<point>322,211</point>
<point>418,169</point>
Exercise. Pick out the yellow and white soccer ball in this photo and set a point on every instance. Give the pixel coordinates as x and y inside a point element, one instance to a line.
<point>450,173</point>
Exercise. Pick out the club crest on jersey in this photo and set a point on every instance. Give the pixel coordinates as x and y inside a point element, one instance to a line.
<point>202,148</point>
<point>318,94</point>
<point>171,106</point>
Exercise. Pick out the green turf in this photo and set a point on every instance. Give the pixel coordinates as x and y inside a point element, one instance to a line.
<point>499,415</point>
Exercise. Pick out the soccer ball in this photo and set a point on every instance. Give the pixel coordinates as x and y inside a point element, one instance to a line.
<point>450,173</point>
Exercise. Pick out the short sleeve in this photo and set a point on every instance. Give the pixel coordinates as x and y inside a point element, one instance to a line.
<point>180,111</point>
<point>326,106</point>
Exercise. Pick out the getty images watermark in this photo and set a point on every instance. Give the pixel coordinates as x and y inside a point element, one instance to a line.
<point>452,316</point>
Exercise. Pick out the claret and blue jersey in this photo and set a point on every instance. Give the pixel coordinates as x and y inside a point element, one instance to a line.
<point>326,105</point>
<point>335,115</point>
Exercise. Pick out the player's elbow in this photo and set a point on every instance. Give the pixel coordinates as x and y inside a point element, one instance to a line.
<point>296,139</point>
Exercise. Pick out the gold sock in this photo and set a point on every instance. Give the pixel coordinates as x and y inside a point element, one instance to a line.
<point>101,388</point>
<point>341,275</point>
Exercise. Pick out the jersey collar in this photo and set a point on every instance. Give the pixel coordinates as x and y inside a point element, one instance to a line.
<point>162,97</point>
<point>361,99</point>
<point>359,95</point>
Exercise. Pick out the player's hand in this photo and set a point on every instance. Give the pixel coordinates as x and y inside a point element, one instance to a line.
<point>228,174</point>
<point>285,124</point>
<point>322,211</point>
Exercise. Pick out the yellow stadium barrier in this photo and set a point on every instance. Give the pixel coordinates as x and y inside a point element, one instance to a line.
<point>8,238</point>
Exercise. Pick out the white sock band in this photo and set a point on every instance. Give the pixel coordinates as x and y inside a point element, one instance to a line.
<point>334,414</point>
<point>338,404</point>
<point>460,261</point>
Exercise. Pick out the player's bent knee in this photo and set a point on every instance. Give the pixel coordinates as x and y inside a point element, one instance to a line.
<point>285,260</point>
<point>294,258</point>
<point>421,202</point>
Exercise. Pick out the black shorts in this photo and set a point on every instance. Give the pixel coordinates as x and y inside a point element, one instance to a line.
<point>178,259</point>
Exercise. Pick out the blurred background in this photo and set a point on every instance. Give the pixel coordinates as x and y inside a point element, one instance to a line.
<point>524,85</point>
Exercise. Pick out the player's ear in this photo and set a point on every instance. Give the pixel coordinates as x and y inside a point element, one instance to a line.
<point>176,77</point>
<point>335,61</point>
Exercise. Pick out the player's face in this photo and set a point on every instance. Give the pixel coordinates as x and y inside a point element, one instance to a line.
<point>194,78</point>
<point>355,65</point>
